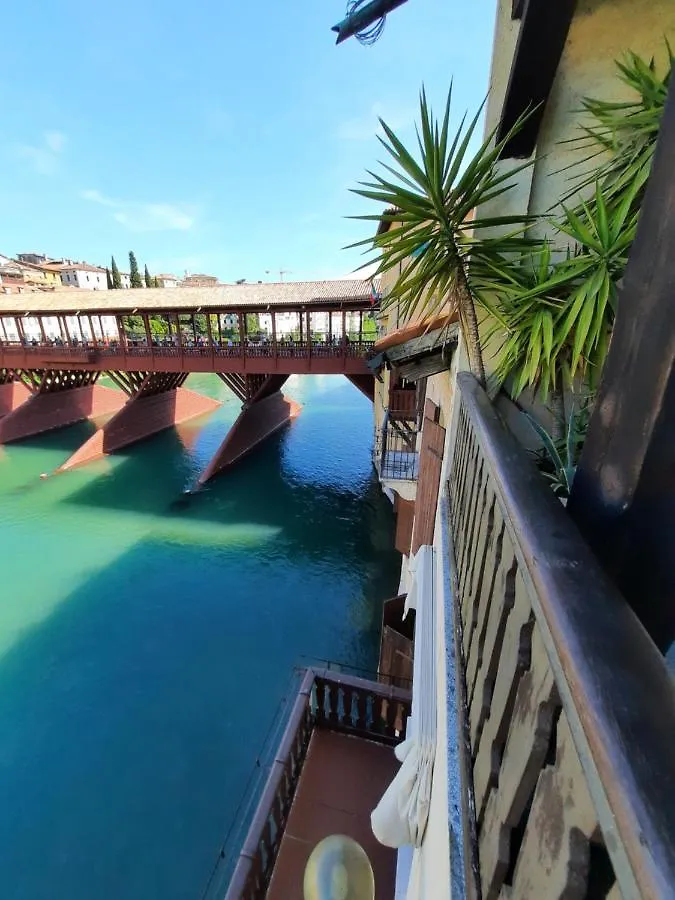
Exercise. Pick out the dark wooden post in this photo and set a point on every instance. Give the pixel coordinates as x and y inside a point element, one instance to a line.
<point>4,333</point>
<point>344,334</point>
<point>91,329</point>
<point>330,327</point>
<point>301,330</point>
<point>148,332</point>
<point>42,329</point>
<point>220,330</point>
<point>209,336</point>
<point>194,328</point>
<point>122,334</point>
<point>242,333</point>
<point>19,329</point>
<point>360,327</point>
<point>274,333</point>
<point>623,498</point>
<point>66,332</point>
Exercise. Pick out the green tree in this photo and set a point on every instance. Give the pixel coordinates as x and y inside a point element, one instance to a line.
<point>108,279</point>
<point>155,282</point>
<point>433,242</point>
<point>252,323</point>
<point>148,280</point>
<point>134,274</point>
<point>116,279</point>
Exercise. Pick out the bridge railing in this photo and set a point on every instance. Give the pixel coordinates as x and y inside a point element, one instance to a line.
<point>569,707</point>
<point>233,349</point>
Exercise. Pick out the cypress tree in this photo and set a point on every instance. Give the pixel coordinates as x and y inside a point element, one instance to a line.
<point>116,279</point>
<point>134,274</point>
<point>108,279</point>
<point>148,279</point>
<point>155,281</point>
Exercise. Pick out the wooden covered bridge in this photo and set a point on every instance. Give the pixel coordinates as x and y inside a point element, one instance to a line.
<point>55,346</point>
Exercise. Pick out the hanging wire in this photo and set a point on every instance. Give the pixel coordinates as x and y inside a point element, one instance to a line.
<point>368,36</point>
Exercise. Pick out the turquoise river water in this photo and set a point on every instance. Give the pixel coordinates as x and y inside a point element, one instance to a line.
<point>147,637</point>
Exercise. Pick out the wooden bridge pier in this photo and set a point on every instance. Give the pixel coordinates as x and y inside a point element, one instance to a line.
<point>43,399</point>
<point>265,410</point>
<point>156,401</point>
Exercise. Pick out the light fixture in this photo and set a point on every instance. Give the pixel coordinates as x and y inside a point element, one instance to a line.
<point>338,869</point>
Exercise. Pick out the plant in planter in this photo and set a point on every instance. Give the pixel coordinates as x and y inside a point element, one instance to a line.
<point>554,317</point>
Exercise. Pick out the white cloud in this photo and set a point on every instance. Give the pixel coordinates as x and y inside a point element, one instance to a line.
<point>366,126</point>
<point>144,216</point>
<point>44,157</point>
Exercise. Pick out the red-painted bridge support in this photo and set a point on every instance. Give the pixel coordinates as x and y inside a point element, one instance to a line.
<point>265,410</point>
<point>52,399</point>
<point>13,392</point>
<point>156,401</point>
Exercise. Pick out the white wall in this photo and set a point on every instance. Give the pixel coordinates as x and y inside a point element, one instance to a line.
<point>92,281</point>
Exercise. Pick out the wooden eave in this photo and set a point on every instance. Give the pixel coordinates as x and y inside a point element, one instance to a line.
<point>543,33</point>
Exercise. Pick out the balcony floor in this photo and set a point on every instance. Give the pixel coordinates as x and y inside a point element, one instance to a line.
<point>341,783</point>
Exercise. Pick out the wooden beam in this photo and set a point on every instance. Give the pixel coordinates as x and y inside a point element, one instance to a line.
<point>541,40</point>
<point>623,497</point>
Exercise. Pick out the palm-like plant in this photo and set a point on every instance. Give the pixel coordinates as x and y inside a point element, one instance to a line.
<point>554,318</point>
<point>430,196</point>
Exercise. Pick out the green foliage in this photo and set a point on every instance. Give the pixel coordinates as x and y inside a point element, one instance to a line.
<point>252,323</point>
<point>115,273</point>
<point>432,239</point>
<point>558,459</point>
<point>134,274</point>
<point>554,317</point>
<point>108,279</point>
<point>148,280</point>
<point>155,282</point>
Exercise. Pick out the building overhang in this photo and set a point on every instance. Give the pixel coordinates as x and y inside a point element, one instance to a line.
<point>418,350</point>
<point>543,33</point>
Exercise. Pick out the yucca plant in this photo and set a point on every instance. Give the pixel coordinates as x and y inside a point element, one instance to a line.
<point>430,195</point>
<point>557,460</point>
<point>553,318</point>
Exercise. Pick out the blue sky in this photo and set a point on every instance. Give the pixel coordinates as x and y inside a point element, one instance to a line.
<point>213,136</point>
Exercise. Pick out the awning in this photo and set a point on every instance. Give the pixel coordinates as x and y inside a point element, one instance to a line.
<point>401,815</point>
<point>418,350</point>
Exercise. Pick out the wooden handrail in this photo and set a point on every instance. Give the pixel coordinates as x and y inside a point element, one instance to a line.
<point>614,686</point>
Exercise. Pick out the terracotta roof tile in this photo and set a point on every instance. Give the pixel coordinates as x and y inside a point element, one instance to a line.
<point>224,296</point>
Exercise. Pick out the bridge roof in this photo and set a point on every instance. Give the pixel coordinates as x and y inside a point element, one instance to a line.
<point>286,294</point>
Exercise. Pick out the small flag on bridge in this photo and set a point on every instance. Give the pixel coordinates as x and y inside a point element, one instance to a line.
<point>375,295</point>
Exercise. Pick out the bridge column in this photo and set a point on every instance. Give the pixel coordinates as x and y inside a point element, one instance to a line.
<point>55,398</point>
<point>365,383</point>
<point>265,410</point>
<point>13,392</point>
<point>156,401</point>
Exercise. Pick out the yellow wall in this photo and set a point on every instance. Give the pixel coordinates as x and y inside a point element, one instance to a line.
<point>601,31</point>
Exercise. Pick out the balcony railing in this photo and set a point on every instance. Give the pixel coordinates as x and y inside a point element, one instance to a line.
<point>570,710</point>
<point>325,699</point>
<point>395,449</point>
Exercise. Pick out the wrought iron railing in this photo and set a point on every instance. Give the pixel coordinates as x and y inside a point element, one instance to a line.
<point>395,453</point>
<point>325,699</point>
<point>569,707</point>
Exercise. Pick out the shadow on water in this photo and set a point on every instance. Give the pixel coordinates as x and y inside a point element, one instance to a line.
<point>133,701</point>
<point>256,491</point>
<point>67,439</point>
<point>130,716</point>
